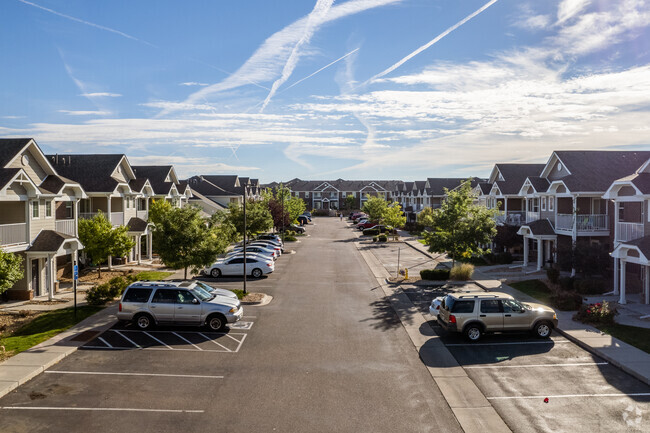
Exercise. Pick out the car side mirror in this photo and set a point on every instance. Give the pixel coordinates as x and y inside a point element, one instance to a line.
<point>195,301</point>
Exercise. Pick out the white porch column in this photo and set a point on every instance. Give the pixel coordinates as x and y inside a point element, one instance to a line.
<point>138,250</point>
<point>75,212</point>
<point>547,254</point>
<point>526,205</point>
<point>574,233</point>
<point>616,276</point>
<point>49,281</point>
<point>149,246</point>
<point>505,208</point>
<point>525,252</point>
<point>622,297</point>
<point>615,222</point>
<point>108,207</point>
<point>540,253</point>
<point>646,285</point>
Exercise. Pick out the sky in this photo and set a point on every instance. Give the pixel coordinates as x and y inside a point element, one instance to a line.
<point>326,89</point>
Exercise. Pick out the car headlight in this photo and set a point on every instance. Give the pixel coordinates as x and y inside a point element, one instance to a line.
<point>554,316</point>
<point>233,309</point>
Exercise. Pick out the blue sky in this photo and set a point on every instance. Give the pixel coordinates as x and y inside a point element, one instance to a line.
<point>318,89</point>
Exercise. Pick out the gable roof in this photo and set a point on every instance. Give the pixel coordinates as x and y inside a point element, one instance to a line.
<point>437,185</point>
<point>514,176</point>
<point>205,186</point>
<point>92,171</point>
<point>9,147</point>
<point>156,175</point>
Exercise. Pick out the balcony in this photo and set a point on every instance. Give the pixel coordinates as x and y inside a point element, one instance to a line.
<point>142,214</point>
<point>531,216</point>
<point>629,231</point>
<point>512,218</point>
<point>67,227</point>
<point>117,218</point>
<point>12,234</point>
<point>584,222</point>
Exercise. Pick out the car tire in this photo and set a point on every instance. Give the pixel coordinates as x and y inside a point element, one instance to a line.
<point>257,273</point>
<point>143,321</point>
<point>543,329</point>
<point>215,273</point>
<point>216,322</point>
<point>473,332</point>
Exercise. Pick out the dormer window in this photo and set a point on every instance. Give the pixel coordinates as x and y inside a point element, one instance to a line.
<point>559,166</point>
<point>25,160</point>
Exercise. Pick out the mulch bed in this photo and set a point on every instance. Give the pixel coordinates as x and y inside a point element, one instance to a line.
<point>253,298</point>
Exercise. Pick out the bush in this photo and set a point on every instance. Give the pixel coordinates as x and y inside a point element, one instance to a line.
<point>371,232</point>
<point>553,275</point>
<point>591,286</point>
<point>131,278</point>
<point>320,212</point>
<point>434,274</point>
<point>597,314</point>
<point>566,283</point>
<point>566,301</point>
<point>382,238</point>
<point>289,238</point>
<point>499,258</point>
<point>462,272</point>
<point>117,285</point>
<point>374,238</point>
<point>99,295</point>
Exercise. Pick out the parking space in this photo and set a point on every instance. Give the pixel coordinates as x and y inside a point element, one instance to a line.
<point>390,255</point>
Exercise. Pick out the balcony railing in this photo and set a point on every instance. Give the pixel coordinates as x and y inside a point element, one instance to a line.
<point>117,218</point>
<point>532,216</point>
<point>67,227</point>
<point>142,214</point>
<point>87,215</point>
<point>11,234</point>
<point>629,231</point>
<point>585,223</point>
<point>515,218</point>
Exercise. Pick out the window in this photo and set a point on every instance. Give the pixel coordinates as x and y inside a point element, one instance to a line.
<point>490,306</point>
<point>543,203</point>
<point>127,201</point>
<point>236,261</point>
<point>35,209</point>
<point>137,295</point>
<point>535,203</point>
<point>551,203</point>
<point>306,194</point>
<point>48,208</point>
<point>184,297</point>
<point>164,296</point>
<point>68,210</point>
<point>512,306</point>
<point>463,307</point>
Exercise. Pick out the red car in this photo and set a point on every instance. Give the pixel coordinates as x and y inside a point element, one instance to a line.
<point>366,225</point>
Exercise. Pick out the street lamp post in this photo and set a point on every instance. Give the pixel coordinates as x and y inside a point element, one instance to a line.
<point>245,193</point>
<point>284,228</point>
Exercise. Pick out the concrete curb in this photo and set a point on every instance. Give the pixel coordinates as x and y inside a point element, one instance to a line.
<point>265,301</point>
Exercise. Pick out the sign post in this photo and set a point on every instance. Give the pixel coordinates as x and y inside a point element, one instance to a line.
<point>75,277</point>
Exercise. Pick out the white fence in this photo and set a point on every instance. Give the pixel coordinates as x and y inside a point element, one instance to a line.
<point>11,234</point>
<point>629,231</point>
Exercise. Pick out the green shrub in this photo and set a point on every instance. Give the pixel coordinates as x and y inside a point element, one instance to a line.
<point>131,278</point>
<point>320,212</point>
<point>371,232</point>
<point>597,314</point>
<point>553,275</point>
<point>591,286</point>
<point>566,283</point>
<point>289,238</point>
<point>382,238</point>
<point>117,285</point>
<point>375,238</point>
<point>566,301</point>
<point>462,272</point>
<point>434,274</point>
<point>99,295</point>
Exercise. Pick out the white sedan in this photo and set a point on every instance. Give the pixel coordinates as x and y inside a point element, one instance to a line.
<point>435,306</point>
<point>255,267</point>
<point>256,249</point>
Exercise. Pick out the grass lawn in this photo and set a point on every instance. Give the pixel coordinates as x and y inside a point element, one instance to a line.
<point>43,327</point>
<point>238,292</point>
<point>536,289</point>
<point>637,337</point>
<point>422,241</point>
<point>153,275</point>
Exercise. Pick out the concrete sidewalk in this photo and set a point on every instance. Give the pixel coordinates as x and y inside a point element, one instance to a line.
<point>628,358</point>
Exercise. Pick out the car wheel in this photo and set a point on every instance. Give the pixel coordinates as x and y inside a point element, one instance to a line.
<point>143,321</point>
<point>473,332</point>
<point>256,273</point>
<point>543,330</point>
<point>216,273</point>
<point>216,322</point>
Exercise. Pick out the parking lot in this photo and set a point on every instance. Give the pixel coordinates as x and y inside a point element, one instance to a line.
<point>517,372</point>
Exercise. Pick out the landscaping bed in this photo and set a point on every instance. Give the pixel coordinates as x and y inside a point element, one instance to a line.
<point>91,276</point>
<point>632,335</point>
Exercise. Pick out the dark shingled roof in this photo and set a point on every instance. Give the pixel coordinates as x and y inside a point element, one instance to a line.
<point>137,225</point>
<point>541,228</point>
<point>539,183</point>
<point>515,175</point>
<point>642,181</point>
<point>6,174</point>
<point>49,241</point>
<point>595,170</point>
<point>9,147</point>
<point>137,184</point>
<point>485,187</point>
<point>204,186</point>
<point>92,171</point>
<point>437,185</point>
<point>643,244</point>
<point>156,175</point>
<point>54,183</point>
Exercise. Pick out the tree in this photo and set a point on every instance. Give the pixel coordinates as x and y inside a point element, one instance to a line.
<point>283,207</point>
<point>187,240</point>
<point>394,217</point>
<point>11,270</point>
<point>350,202</point>
<point>157,211</point>
<point>375,207</point>
<point>258,217</point>
<point>101,239</point>
<point>459,227</point>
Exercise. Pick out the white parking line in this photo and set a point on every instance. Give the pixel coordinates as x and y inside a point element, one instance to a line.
<point>638,394</point>
<point>509,343</point>
<point>100,409</point>
<point>104,341</point>
<point>133,374</point>
<point>151,336</point>
<point>186,340</point>
<point>210,339</point>
<point>538,365</point>
<point>126,338</point>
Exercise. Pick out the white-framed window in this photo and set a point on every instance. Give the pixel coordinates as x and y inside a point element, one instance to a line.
<point>551,203</point>
<point>543,203</point>
<point>68,210</point>
<point>306,194</point>
<point>535,203</point>
<point>35,209</point>
<point>48,208</point>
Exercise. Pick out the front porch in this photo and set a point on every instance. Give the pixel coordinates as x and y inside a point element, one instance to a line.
<point>636,252</point>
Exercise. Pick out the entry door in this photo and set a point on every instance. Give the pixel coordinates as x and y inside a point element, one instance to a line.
<point>186,311</point>
<point>36,280</point>
<point>491,314</point>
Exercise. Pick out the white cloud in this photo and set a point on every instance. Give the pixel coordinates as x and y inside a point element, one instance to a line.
<point>14,117</point>
<point>570,8</point>
<point>193,83</point>
<point>84,113</point>
<point>100,95</point>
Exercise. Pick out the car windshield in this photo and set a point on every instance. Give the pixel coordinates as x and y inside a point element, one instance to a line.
<point>201,293</point>
<point>204,286</point>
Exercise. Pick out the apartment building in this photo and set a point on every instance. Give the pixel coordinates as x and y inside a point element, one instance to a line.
<point>326,194</point>
<point>38,217</point>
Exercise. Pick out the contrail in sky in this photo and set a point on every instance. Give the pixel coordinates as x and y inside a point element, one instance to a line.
<point>108,29</point>
<point>431,42</point>
<point>324,67</point>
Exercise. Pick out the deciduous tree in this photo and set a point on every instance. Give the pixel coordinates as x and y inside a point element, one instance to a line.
<point>375,207</point>
<point>258,218</point>
<point>393,217</point>
<point>11,270</point>
<point>101,239</point>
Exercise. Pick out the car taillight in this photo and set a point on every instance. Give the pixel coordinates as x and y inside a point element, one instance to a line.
<point>120,307</point>
<point>437,307</point>
<point>452,318</point>
<point>269,264</point>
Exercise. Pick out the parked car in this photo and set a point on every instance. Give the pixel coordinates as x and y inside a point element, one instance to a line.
<point>435,305</point>
<point>293,228</point>
<point>206,287</point>
<point>268,244</point>
<point>355,215</point>
<point>366,225</point>
<point>381,229</point>
<point>474,314</point>
<point>254,249</point>
<point>271,237</point>
<point>147,303</point>
<point>255,267</point>
<point>303,220</point>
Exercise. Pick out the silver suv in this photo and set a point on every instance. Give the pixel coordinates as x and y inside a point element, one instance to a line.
<point>474,314</point>
<point>149,303</point>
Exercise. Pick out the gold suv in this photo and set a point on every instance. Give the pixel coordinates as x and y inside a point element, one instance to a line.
<point>474,314</point>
